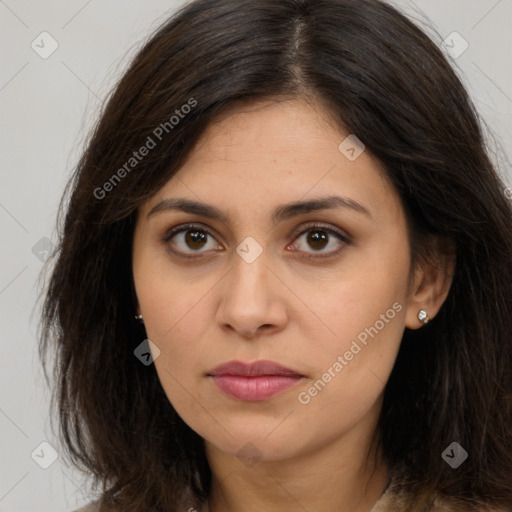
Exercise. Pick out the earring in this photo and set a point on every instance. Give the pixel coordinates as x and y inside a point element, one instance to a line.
<point>139,318</point>
<point>423,317</point>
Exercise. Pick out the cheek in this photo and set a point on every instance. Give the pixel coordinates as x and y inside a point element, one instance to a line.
<point>176,318</point>
<point>172,304</point>
<point>168,296</point>
<point>349,369</point>
<point>175,321</point>
<point>369,296</point>
<point>350,364</point>
<point>363,313</point>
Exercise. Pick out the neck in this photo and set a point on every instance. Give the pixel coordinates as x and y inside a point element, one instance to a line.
<point>344,475</point>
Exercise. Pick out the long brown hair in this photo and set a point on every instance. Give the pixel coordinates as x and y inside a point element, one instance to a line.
<point>382,79</point>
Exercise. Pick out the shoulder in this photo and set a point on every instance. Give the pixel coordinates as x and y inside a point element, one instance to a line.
<point>392,501</point>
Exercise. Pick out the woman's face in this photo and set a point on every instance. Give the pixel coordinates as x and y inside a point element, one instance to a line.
<point>328,302</point>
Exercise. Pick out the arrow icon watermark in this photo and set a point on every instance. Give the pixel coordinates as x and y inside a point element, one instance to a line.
<point>351,147</point>
<point>146,352</point>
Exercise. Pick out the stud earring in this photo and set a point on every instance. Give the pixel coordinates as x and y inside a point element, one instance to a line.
<point>423,316</point>
<point>139,318</point>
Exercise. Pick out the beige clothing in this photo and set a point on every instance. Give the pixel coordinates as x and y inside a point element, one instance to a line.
<point>388,502</point>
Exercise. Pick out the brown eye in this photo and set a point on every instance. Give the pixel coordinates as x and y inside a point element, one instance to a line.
<point>315,239</point>
<point>190,239</point>
<point>195,239</point>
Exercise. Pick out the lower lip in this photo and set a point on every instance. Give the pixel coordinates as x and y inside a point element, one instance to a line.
<point>254,389</point>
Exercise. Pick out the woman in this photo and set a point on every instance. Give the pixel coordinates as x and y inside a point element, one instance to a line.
<point>285,272</point>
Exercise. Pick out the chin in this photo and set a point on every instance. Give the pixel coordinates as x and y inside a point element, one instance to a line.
<point>251,444</point>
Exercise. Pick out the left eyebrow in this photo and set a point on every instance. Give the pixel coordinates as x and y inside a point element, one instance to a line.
<point>289,210</point>
<point>281,213</point>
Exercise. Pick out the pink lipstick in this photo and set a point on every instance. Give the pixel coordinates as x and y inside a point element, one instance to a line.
<point>253,382</point>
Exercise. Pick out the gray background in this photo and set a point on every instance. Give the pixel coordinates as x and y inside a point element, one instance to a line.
<point>48,105</point>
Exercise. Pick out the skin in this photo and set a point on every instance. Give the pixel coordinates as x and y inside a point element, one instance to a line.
<point>282,306</point>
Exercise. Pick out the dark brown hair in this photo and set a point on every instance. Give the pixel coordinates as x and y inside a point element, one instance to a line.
<point>383,79</point>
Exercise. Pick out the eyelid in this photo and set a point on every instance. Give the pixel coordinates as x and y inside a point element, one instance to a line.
<point>320,226</point>
<point>185,227</point>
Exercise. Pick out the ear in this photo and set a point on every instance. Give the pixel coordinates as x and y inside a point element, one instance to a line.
<point>431,281</point>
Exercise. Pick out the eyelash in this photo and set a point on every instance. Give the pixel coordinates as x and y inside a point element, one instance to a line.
<point>320,227</point>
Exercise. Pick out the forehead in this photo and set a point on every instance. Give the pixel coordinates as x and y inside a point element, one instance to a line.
<point>265,129</point>
<point>269,152</point>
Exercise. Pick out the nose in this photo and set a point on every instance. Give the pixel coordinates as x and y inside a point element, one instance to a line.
<point>253,299</point>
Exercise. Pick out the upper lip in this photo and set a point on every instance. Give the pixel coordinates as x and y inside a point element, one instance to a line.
<point>258,368</point>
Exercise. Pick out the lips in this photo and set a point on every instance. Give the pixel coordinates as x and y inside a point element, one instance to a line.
<point>254,381</point>
<point>255,369</point>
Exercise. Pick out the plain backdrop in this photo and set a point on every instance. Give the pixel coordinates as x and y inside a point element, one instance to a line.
<point>47,107</point>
